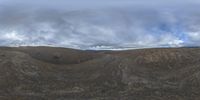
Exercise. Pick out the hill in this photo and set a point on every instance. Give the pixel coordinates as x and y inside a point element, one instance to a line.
<point>47,73</point>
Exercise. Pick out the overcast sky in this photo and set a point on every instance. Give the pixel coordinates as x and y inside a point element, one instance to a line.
<point>100,24</point>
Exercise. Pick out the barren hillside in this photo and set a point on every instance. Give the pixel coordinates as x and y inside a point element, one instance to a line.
<point>45,73</point>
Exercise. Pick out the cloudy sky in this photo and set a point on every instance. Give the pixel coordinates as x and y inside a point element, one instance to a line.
<point>100,24</point>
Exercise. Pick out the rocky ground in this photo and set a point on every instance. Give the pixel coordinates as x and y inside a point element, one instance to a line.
<point>45,73</point>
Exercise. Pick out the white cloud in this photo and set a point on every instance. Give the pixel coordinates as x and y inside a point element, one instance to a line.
<point>194,36</point>
<point>13,36</point>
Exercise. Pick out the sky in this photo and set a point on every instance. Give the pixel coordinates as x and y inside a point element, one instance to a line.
<point>100,24</point>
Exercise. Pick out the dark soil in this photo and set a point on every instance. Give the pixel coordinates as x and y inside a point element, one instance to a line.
<point>46,73</point>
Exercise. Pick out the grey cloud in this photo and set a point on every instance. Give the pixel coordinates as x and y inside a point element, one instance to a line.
<point>111,28</point>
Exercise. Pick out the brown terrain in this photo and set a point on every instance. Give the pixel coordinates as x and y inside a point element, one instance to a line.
<point>46,73</point>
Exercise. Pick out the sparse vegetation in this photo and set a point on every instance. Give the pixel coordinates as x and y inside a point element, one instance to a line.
<point>44,73</point>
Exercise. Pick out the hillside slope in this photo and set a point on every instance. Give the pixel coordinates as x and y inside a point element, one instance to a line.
<point>45,73</point>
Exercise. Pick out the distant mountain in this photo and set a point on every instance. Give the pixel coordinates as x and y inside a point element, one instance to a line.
<point>46,73</point>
